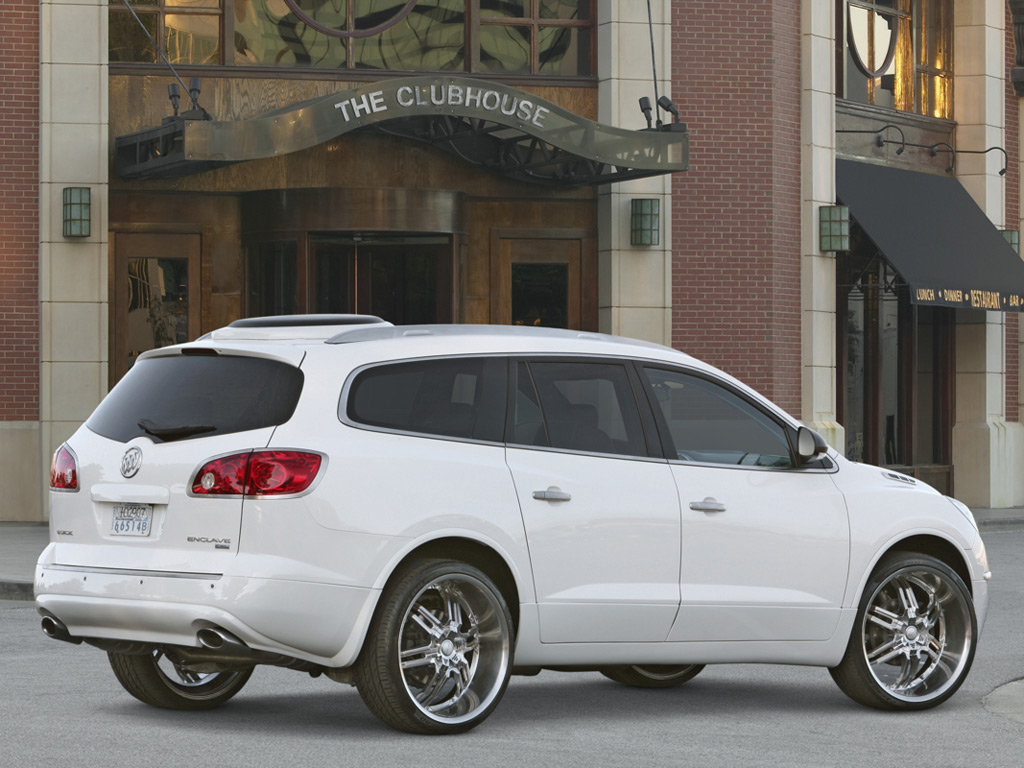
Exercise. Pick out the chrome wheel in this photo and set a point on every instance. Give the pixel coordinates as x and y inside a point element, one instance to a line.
<point>913,643</point>
<point>158,680</point>
<point>653,675</point>
<point>917,634</point>
<point>454,648</point>
<point>439,654</point>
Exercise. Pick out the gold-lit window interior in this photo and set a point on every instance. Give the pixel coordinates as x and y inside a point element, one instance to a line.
<point>898,55</point>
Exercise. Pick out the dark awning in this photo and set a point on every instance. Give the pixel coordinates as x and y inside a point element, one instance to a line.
<point>937,238</point>
<point>503,129</point>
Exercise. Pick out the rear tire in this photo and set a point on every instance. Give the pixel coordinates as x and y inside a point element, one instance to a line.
<point>438,655</point>
<point>156,680</point>
<point>652,675</point>
<point>913,639</point>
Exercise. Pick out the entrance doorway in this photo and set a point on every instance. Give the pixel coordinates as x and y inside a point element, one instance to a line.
<point>895,365</point>
<point>403,279</point>
<point>156,294</point>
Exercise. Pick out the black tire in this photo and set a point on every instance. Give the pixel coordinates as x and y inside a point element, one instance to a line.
<point>157,681</point>
<point>438,654</point>
<point>913,638</point>
<point>653,675</point>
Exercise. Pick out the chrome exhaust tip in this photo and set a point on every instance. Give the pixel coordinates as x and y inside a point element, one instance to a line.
<point>56,629</point>
<point>217,639</point>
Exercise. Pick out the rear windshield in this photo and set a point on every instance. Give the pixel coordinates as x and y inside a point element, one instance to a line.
<point>185,396</point>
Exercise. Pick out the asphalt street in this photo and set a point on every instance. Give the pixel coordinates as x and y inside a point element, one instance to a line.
<point>61,706</point>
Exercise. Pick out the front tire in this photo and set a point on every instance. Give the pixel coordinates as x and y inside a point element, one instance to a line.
<point>160,682</point>
<point>653,675</point>
<point>913,639</point>
<point>439,652</point>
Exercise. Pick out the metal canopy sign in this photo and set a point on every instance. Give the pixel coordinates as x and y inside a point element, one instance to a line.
<point>504,129</point>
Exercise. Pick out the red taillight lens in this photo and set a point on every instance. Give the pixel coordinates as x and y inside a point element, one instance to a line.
<point>64,470</point>
<point>225,475</point>
<point>260,473</point>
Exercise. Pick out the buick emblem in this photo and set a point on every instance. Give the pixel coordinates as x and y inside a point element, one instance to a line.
<point>131,462</point>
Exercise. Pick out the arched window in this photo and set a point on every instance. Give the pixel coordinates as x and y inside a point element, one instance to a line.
<point>897,54</point>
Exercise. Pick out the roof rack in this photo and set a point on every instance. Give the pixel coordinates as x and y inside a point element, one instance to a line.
<point>302,321</point>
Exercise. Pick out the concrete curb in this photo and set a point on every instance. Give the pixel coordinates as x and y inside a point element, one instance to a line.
<point>16,590</point>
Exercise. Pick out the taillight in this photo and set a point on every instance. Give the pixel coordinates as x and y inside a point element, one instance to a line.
<point>64,470</point>
<point>259,473</point>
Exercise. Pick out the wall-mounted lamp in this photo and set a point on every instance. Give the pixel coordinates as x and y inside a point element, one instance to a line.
<point>1012,236</point>
<point>834,228</point>
<point>77,212</point>
<point>645,221</point>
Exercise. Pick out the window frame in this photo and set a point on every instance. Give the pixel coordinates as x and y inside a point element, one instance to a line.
<point>651,438</point>
<point>472,41</point>
<point>345,397</point>
<point>910,12</point>
<point>822,463</point>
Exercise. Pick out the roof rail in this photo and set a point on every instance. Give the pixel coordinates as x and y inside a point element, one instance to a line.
<point>302,321</point>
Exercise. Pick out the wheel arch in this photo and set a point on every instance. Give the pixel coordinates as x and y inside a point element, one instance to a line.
<point>934,546</point>
<point>469,551</point>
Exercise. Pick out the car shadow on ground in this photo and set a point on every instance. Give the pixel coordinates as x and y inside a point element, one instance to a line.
<point>560,699</point>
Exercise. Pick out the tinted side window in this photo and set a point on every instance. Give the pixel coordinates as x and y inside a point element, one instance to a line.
<point>585,407</point>
<point>709,423</point>
<point>452,397</point>
<point>181,396</point>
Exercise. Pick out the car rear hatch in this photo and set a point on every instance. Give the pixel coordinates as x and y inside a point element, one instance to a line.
<point>141,458</point>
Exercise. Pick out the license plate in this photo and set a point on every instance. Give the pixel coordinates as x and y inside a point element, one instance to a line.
<point>132,520</point>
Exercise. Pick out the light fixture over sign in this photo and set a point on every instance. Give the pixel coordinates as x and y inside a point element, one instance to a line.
<point>834,228</point>
<point>645,221</point>
<point>77,212</point>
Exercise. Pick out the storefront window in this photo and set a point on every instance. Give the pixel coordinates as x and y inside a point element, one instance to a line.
<point>189,31</point>
<point>527,37</point>
<point>898,54</point>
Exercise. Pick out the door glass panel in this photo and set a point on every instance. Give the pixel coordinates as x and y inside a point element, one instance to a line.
<point>334,276</point>
<point>711,424</point>
<point>589,407</point>
<point>856,360</point>
<point>157,304</point>
<point>540,295</point>
<point>272,279</point>
<point>889,332</point>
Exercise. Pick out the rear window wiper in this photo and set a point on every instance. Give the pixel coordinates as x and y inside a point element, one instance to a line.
<point>174,433</point>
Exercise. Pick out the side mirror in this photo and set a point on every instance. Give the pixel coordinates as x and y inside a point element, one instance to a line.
<point>809,444</point>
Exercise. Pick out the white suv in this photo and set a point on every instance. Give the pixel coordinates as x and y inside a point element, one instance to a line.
<point>421,511</point>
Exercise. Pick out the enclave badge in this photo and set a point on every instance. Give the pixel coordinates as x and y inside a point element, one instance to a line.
<point>131,461</point>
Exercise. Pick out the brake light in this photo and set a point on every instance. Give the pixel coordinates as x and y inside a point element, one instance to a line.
<point>64,470</point>
<point>259,473</point>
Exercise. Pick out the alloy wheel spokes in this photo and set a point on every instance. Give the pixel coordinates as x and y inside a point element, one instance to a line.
<point>908,625</point>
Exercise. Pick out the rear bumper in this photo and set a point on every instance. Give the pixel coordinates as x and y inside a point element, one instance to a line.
<point>321,623</point>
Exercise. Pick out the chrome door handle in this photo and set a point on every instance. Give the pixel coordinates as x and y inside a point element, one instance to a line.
<point>554,493</point>
<point>710,504</point>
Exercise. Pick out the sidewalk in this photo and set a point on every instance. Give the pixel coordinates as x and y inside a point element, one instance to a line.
<point>21,543</point>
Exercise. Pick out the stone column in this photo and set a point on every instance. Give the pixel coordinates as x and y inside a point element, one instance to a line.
<point>818,188</point>
<point>635,282</point>
<point>984,444</point>
<point>72,271</point>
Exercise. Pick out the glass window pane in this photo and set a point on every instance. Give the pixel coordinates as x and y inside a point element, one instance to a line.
<point>192,3</point>
<point>229,394</point>
<point>432,38</point>
<point>462,397</point>
<point>711,424</point>
<point>272,280</point>
<point>540,295</point>
<point>268,32</point>
<point>334,283</point>
<point>505,49</point>
<point>127,40</point>
<point>565,9</point>
<point>589,407</point>
<point>504,9</point>
<point>192,38</point>
<point>157,303</point>
<point>565,51</point>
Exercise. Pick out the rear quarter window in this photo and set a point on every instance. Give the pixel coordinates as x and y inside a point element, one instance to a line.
<point>449,397</point>
<point>182,396</point>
